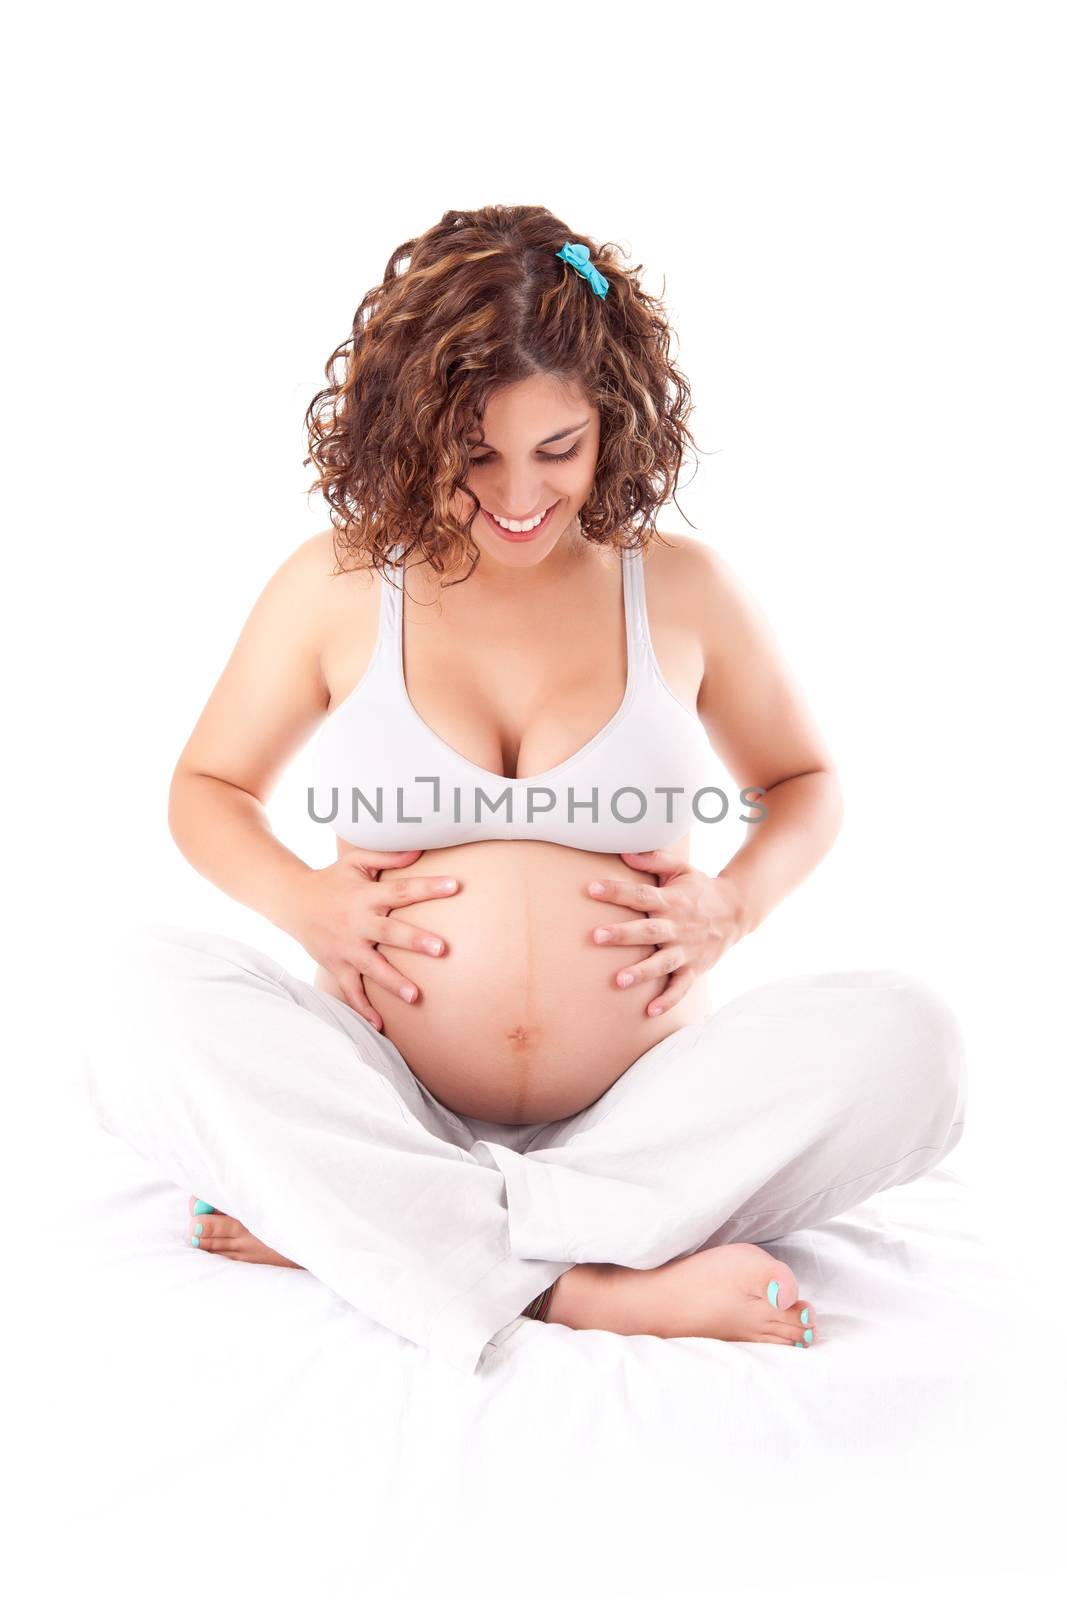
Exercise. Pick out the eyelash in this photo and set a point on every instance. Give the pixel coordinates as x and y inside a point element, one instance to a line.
<point>568,455</point>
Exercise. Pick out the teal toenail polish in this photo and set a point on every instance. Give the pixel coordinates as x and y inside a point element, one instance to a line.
<point>808,1337</point>
<point>201,1208</point>
<point>195,1243</point>
<point>772,1292</point>
<point>799,1345</point>
<point>805,1316</point>
<point>199,1228</point>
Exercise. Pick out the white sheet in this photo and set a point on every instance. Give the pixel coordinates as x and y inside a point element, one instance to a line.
<point>198,1427</point>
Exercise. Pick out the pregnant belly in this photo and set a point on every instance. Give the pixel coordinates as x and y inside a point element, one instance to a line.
<point>521,1020</point>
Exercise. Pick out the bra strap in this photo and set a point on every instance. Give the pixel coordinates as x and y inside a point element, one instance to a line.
<point>638,638</point>
<point>390,612</point>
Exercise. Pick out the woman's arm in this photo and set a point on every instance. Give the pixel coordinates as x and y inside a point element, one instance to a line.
<point>759,723</point>
<point>803,819</point>
<point>261,711</point>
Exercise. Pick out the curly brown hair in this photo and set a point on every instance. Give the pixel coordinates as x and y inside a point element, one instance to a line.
<point>485,302</point>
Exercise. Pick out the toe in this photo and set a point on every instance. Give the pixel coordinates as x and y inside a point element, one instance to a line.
<point>800,1323</point>
<point>780,1287</point>
<point>214,1232</point>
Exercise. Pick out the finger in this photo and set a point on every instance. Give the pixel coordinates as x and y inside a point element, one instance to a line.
<point>352,989</point>
<point>371,864</point>
<point>375,966</point>
<point>405,891</point>
<point>678,986</point>
<point>405,936</point>
<point>653,861</point>
<point>669,959</point>
<point>380,858</point>
<point>638,896</point>
<point>652,930</point>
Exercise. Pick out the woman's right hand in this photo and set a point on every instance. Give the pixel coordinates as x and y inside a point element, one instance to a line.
<point>341,913</point>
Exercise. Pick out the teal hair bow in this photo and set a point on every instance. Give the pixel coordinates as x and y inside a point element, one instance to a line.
<point>577,256</point>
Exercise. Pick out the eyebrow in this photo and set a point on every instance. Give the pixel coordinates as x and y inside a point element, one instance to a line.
<point>565,433</point>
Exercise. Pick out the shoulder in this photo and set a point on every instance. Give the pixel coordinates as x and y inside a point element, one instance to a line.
<point>680,561</point>
<point>308,599</point>
<point>314,560</point>
<point>312,578</point>
<point>687,575</point>
<point>691,580</point>
<point>686,560</point>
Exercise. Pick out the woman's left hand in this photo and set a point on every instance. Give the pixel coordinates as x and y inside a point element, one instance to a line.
<point>693,918</point>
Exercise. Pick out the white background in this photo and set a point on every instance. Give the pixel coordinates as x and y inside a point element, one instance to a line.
<point>855,214</point>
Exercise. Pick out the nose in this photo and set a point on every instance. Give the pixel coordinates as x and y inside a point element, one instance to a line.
<point>512,491</point>
<point>520,516</point>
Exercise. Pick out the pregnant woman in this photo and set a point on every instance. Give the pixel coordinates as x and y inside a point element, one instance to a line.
<point>506,1080</point>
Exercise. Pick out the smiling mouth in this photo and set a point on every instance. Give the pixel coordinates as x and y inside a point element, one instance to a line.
<point>521,529</point>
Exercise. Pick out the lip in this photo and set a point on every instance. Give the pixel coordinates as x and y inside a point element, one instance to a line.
<point>520,538</point>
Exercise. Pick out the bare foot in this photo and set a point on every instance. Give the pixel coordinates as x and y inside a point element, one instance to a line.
<point>225,1236</point>
<point>718,1293</point>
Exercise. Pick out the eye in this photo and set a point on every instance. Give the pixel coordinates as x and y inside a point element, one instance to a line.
<point>568,455</point>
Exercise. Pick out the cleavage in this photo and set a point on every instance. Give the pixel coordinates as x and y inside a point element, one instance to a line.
<point>533,716</point>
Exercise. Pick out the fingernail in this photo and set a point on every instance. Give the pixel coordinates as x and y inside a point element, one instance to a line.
<point>408,993</point>
<point>195,1242</point>
<point>201,1208</point>
<point>655,1011</point>
<point>772,1292</point>
<point>596,888</point>
<point>800,1345</point>
<point>199,1228</point>
<point>626,979</point>
<point>448,883</point>
<point>808,1337</point>
<point>434,946</point>
<point>601,936</point>
<point>805,1316</point>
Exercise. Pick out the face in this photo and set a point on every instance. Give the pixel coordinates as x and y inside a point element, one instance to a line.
<point>539,455</point>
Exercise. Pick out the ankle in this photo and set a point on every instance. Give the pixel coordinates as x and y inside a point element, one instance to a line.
<point>578,1298</point>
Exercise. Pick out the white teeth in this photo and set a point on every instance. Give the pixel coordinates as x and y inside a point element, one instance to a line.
<point>521,527</point>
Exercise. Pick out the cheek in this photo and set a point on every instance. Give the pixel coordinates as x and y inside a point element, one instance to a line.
<point>461,505</point>
<point>572,482</point>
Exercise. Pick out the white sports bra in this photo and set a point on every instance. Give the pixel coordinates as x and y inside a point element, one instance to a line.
<point>382,779</point>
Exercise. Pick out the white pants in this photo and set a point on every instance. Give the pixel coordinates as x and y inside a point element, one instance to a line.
<point>283,1108</point>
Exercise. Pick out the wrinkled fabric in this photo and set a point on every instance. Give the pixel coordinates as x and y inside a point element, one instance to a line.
<point>284,1108</point>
